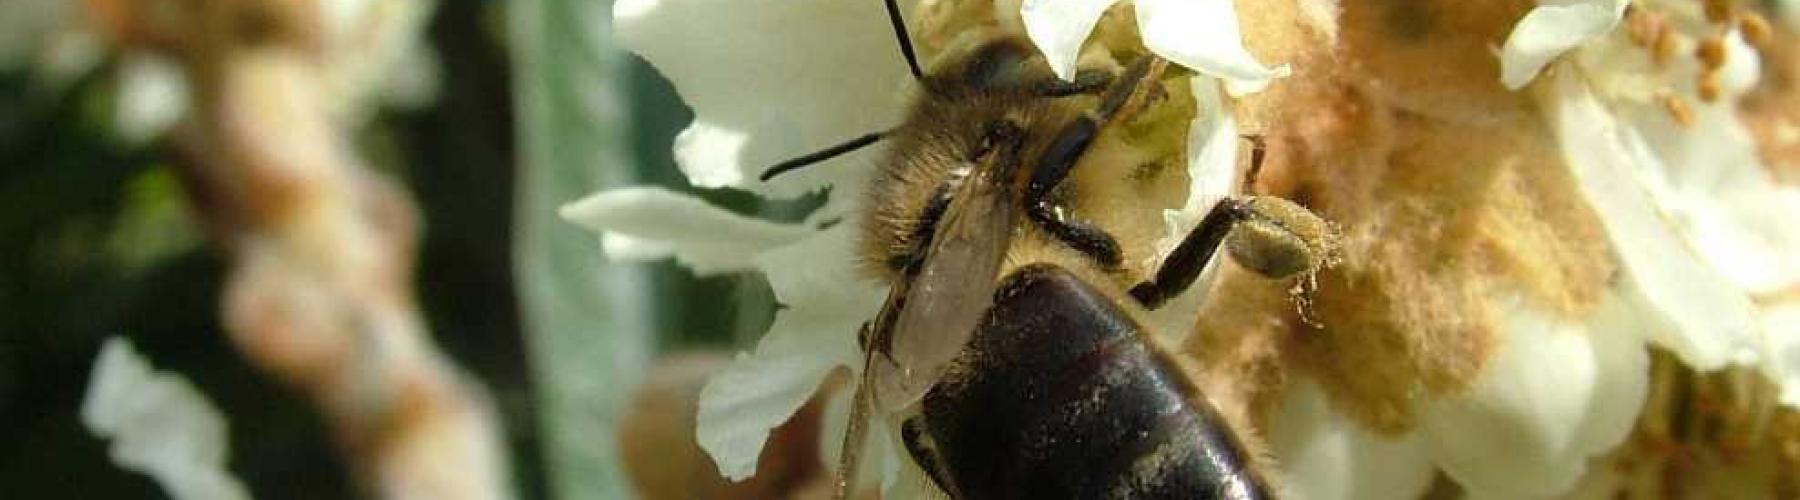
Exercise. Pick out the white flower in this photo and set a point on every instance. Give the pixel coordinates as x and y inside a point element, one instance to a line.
<point>1326,456</point>
<point>1556,393</point>
<point>770,81</point>
<point>153,95</point>
<point>159,425</point>
<point>1199,34</point>
<point>1550,30</point>
<point>1700,227</point>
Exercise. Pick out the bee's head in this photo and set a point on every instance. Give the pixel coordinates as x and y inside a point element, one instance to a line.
<point>983,62</point>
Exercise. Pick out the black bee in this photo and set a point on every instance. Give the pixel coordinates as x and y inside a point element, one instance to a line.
<point>1010,352</point>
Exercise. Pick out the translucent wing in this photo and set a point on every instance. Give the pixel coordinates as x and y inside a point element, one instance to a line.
<point>944,302</point>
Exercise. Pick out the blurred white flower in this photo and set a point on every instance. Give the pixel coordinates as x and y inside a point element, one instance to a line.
<point>774,80</point>
<point>1705,235</point>
<point>377,57</point>
<point>152,96</point>
<point>159,425</point>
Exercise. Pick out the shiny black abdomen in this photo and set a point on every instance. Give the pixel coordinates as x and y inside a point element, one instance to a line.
<point>1059,395</point>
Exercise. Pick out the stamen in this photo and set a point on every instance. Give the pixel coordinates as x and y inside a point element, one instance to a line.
<point>1677,108</point>
<point>1712,52</point>
<point>1664,48</point>
<point>1709,86</point>
<point>1756,29</point>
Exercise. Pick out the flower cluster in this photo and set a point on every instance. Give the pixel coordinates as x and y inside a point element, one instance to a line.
<point>1507,394</point>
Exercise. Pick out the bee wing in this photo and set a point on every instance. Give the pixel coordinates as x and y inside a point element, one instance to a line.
<point>945,301</point>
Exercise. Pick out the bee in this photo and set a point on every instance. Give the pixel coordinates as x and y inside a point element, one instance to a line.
<point>1009,351</point>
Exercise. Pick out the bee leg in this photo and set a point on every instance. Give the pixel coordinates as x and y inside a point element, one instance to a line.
<point>1086,81</point>
<point>1183,265</point>
<point>1053,166</point>
<point>850,454</point>
<point>1065,151</point>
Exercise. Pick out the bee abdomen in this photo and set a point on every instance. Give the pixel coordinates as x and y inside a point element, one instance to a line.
<point>1060,396</point>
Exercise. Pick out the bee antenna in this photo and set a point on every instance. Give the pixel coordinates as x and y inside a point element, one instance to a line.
<point>906,47</point>
<point>822,155</point>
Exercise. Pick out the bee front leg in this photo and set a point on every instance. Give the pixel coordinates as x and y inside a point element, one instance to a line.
<point>1066,150</point>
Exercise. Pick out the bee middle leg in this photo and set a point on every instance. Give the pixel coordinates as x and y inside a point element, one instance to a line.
<point>1066,150</point>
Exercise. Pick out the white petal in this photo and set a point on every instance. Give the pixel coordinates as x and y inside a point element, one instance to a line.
<point>1204,35</point>
<point>1211,162</point>
<point>1058,28</point>
<point>159,425</point>
<point>1555,394</point>
<point>743,402</point>
<point>1743,67</point>
<point>153,95</point>
<point>770,81</point>
<point>641,223</point>
<point>1550,30</point>
<point>816,333</point>
<point>820,273</point>
<point>1783,324</point>
<point>1326,456</point>
<point>1712,181</point>
<point>1690,309</point>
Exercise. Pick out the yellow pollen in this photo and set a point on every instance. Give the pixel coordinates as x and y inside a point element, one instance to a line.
<point>1756,29</point>
<point>1712,52</point>
<point>1677,108</point>
<point>1663,49</point>
<point>1709,86</point>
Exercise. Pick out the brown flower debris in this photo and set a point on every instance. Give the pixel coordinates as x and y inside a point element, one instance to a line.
<point>1448,189</point>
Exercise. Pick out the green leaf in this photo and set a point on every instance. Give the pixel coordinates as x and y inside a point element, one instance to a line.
<point>589,324</point>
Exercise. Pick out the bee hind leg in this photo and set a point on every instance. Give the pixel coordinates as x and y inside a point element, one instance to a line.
<point>1184,264</point>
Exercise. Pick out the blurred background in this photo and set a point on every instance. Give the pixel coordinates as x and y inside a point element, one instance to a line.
<point>497,113</point>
